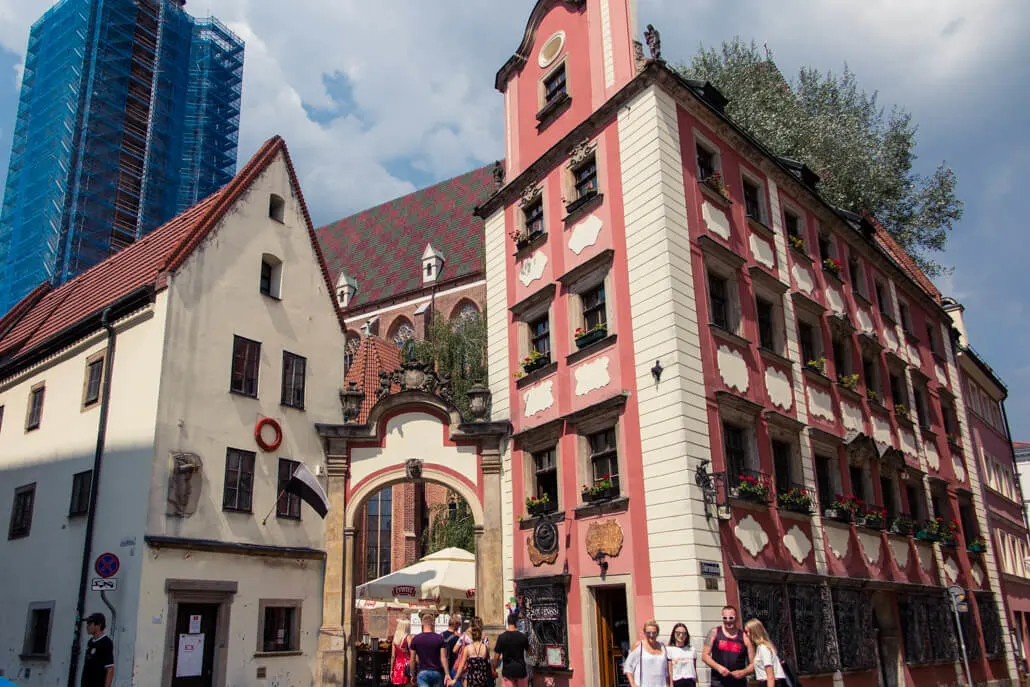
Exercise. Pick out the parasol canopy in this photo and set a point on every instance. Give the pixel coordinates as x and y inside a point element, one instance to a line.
<point>439,580</point>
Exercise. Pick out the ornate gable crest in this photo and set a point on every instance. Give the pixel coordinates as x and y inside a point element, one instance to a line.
<point>531,195</point>
<point>581,153</point>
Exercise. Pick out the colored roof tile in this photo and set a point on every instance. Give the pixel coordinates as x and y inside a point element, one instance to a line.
<point>382,247</point>
<point>374,356</point>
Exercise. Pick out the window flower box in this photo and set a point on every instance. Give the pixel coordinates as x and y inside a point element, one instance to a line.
<point>817,364</point>
<point>602,490</point>
<point>842,509</point>
<point>902,525</point>
<point>938,530</point>
<point>534,361</point>
<point>978,545</point>
<point>539,506</point>
<point>795,500</point>
<point>797,243</point>
<point>585,337</point>
<point>523,238</point>
<point>872,396</point>
<point>715,182</point>
<point>849,382</point>
<point>833,266</point>
<point>873,519</point>
<point>901,411</point>
<point>753,489</point>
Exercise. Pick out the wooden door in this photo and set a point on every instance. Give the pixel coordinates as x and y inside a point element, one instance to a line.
<point>612,636</point>
<point>195,626</point>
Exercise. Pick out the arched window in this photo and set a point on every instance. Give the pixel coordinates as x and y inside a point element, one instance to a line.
<point>378,533</point>
<point>271,276</point>
<point>350,349</point>
<point>401,332</point>
<point>276,207</point>
<point>465,310</point>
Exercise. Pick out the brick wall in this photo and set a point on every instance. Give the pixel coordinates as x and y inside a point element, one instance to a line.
<point>446,306</point>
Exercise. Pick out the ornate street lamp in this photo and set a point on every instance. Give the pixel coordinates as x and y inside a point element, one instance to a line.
<point>351,398</point>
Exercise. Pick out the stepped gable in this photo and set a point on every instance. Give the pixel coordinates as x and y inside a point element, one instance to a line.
<point>382,247</point>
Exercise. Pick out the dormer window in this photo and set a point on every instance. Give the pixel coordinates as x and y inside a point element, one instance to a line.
<point>276,208</point>
<point>432,264</point>
<point>270,282</point>
<point>346,289</point>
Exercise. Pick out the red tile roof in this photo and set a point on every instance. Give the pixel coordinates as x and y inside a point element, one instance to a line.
<point>901,256</point>
<point>46,312</point>
<point>382,247</point>
<point>374,355</point>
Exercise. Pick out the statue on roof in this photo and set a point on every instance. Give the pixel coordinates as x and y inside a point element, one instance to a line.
<point>498,174</point>
<point>654,42</point>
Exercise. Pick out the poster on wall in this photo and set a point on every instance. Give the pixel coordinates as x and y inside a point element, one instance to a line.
<point>190,660</point>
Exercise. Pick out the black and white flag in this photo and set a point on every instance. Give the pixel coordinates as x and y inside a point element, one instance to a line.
<point>306,486</point>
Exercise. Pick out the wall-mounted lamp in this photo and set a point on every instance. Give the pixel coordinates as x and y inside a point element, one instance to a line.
<point>656,371</point>
<point>601,558</point>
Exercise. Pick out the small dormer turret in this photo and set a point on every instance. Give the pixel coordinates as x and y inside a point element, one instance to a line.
<point>432,264</point>
<point>346,289</point>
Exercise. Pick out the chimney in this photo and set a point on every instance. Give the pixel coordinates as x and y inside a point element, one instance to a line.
<point>955,310</point>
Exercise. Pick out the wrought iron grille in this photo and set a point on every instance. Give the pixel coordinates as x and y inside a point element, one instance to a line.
<point>990,624</point>
<point>971,635</point>
<point>856,640</point>
<point>816,642</point>
<point>768,603</point>
<point>543,605</point>
<point>927,629</point>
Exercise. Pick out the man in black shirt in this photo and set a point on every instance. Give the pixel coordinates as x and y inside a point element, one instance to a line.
<point>98,669</point>
<point>511,649</point>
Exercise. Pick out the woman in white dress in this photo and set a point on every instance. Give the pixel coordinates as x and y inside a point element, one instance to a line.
<point>648,662</point>
<point>682,657</point>
<point>768,669</point>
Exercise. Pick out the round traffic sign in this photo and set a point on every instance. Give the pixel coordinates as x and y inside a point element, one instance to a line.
<point>107,565</point>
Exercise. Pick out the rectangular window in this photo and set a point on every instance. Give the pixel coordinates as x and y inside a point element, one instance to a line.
<point>604,457</point>
<point>586,179</point>
<point>872,380</point>
<point>705,162</point>
<point>266,278</point>
<point>37,630</point>
<point>824,480</point>
<point>825,247</point>
<point>887,493</point>
<point>782,458</point>
<point>246,356</point>
<point>379,532</point>
<point>94,376</point>
<point>898,394</point>
<point>35,411</point>
<point>752,200</point>
<point>21,511</point>
<point>935,344</point>
<point>238,490</point>
<point>735,445</point>
<point>534,214</point>
<point>906,317</point>
<point>81,483</point>
<point>841,356</point>
<point>858,489</point>
<point>766,328</point>
<point>806,338</point>
<point>921,408</point>
<point>792,223</point>
<point>288,505</point>
<point>280,629</point>
<point>855,273</point>
<point>545,469</point>
<point>916,504</point>
<point>294,369</point>
<point>883,302</point>
<point>718,299</point>
<point>554,86</point>
<point>540,336</point>
<point>594,314</point>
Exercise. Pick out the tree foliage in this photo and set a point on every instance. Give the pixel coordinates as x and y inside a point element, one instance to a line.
<point>862,153</point>
<point>450,526</point>
<point>457,349</point>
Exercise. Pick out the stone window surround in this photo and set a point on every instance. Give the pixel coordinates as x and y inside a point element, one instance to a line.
<point>100,356</point>
<point>37,606</point>
<point>220,592</point>
<point>702,141</point>
<point>761,288</point>
<point>263,604</point>
<point>542,438</point>
<point>714,264</point>
<point>750,177</point>
<point>594,272</point>
<point>530,309</point>
<point>743,414</point>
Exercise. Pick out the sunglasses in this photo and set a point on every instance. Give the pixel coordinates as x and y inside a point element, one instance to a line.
<point>729,620</point>
<point>681,633</point>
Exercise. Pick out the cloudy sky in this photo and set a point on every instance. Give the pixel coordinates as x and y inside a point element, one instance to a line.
<point>376,99</point>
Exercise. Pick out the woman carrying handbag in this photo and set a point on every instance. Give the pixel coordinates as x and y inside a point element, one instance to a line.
<point>474,665</point>
<point>648,662</point>
<point>400,654</point>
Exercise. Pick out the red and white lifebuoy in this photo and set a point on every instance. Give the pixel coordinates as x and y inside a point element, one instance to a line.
<point>259,436</point>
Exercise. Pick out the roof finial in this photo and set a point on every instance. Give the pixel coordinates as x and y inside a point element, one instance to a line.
<point>654,42</point>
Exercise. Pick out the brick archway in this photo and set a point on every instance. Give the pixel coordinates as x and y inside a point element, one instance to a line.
<point>364,458</point>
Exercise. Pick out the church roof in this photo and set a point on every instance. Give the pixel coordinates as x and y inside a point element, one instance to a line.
<point>375,355</point>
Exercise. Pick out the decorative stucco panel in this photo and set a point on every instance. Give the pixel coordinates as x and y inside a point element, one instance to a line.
<point>851,416</point>
<point>532,268</point>
<point>890,338</point>
<point>585,234</point>
<point>835,299</point>
<point>592,375</point>
<point>751,535</point>
<point>715,219</point>
<point>881,432</point>
<point>900,549</point>
<point>942,376</point>
<point>837,538</point>
<point>820,403</point>
<point>933,458</point>
<point>977,574</point>
<point>798,543</point>
<point>865,320</point>
<point>870,546</point>
<point>950,569</point>
<point>732,368</point>
<point>803,277</point>
<point>925,556</point>
<point>908,443</point>
<point>959,468</point>
<point>763,251</point>
<point>779,387</point>
<point>538,398</point>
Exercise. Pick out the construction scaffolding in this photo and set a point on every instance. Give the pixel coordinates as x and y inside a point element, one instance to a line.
<point>129,114</point>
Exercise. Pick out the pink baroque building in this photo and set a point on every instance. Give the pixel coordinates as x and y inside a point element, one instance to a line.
<point>721,388</point>
<point>1003,496</point>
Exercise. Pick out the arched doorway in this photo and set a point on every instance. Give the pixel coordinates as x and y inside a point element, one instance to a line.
<point>410,435</point>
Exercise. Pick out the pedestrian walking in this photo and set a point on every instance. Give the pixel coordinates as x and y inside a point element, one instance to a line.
<point>452,640</point>
<point>474,665</point>
<point>727,652</point>
<point>648,662</point>
<point>98,668</point>
<point>682,657</point>
<point>400,654</point>
<point>510,650</point>
<point>430,660</point>
<point>768,669</point>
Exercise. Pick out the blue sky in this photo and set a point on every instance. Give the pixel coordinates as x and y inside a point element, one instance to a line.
<point>377,99</point>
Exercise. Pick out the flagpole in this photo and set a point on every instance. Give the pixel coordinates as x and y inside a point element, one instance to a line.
<point>274,504</point>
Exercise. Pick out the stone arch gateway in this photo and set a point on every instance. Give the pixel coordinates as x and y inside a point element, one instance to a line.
<point>411,434</point>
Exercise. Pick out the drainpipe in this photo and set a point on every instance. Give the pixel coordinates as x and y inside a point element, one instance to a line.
<point>94,488</point>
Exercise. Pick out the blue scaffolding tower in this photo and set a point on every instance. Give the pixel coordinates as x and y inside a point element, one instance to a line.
<point>129,114</point>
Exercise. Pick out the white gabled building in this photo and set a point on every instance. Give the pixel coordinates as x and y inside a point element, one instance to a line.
<point>184,372</point>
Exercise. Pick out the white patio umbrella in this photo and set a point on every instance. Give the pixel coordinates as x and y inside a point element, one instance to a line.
<point>439,580</point>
